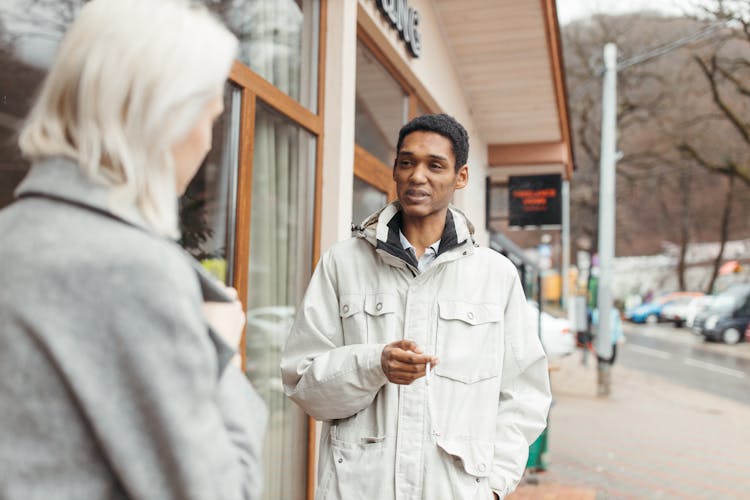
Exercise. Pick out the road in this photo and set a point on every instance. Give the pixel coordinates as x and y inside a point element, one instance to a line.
<point>684,358</point>
<point>674,426</point>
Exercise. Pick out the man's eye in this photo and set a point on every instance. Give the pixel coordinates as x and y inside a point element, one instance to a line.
<point>436,166</point>
<point>404,163</point>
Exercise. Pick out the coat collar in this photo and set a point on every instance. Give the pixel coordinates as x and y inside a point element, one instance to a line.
<point>61,177</point>
<point>381,230</point>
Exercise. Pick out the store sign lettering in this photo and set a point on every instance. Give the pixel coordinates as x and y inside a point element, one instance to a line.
<point>406,20</point>
<point>535,200</point>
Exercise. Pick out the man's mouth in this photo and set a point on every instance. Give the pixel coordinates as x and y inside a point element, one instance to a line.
<point>416,195</point>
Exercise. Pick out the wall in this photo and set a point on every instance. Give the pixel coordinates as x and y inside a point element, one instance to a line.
<point>432,76</point>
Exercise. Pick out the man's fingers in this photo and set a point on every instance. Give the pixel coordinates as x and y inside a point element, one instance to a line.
<point>403,362</point>
<point>407,345</point>
<point>398,366</point>
<point>411,357</point>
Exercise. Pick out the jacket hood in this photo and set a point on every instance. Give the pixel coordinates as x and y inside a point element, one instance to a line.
<point>381,230</point>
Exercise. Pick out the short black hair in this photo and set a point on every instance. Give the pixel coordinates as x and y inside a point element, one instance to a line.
<point>442,124</point>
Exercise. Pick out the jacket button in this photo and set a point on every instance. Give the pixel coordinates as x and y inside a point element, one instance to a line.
<point>379,306</point>
<point>478,479</point>
<point>470,315</point>
<point>341,460</point>
<point>481,468</point>
<point>345,309</point>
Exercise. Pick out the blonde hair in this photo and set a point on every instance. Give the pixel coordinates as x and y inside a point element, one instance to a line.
<point>130,79</point>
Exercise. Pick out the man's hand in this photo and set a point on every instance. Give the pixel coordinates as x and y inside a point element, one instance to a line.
<point>403,362</point>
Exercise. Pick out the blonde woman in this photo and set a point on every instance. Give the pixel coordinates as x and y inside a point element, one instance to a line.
<point>115,375</point>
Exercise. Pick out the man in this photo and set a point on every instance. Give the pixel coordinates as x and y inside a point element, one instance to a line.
<point>411,345</point>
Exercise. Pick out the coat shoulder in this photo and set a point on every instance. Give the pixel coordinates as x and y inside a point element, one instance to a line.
<point>69,252</point>
<point>348,249</point>
<point>496,261</point>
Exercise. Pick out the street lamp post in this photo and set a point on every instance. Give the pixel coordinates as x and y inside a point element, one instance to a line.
<point>607,216</point>
<point>608,159</point>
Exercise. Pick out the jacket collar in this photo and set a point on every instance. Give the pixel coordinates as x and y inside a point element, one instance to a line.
<point>62,178</point>
<point>381,230</point>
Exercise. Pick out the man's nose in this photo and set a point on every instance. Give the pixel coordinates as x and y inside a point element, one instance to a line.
<point>419,174</point>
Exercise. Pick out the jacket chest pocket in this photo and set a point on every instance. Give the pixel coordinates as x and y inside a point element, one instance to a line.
<point>369,318</point>
<point>469,336</point>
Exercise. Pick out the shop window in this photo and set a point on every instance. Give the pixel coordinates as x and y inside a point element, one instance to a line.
<point>496,205</point>
<point>207,209</point>
<point>281,238</point>
<point>30,31</point>
<point>279,41</point>
<point>381,107</point>
<point>366,199</point>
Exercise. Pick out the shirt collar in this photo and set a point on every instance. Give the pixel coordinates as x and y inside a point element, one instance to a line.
<point>405,243</point>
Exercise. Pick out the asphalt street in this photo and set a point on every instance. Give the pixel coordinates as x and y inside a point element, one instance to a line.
<point>683,358</point>
<point>674,425</point>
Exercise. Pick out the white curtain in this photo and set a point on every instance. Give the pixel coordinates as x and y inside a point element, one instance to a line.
<point>280,263</point>
<point>279,41</point>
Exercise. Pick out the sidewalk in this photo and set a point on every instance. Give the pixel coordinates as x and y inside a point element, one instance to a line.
<point>649,439</point>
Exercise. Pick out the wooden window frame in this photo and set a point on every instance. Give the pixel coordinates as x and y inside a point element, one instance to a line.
<point>254,87</point>
<point>374,172</point>
<point>367,166</point>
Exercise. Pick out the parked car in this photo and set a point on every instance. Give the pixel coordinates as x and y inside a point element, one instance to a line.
<point>728,316</point>
<point>557,338</point>
<point>677,310</point>
<point>697,306</point>
<point>650,311</point>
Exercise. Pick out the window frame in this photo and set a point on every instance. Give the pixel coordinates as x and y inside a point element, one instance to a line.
<point>367,166</point>
<point>252,88</point>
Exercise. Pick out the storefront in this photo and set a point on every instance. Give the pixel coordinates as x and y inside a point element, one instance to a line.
<point>304,148</point>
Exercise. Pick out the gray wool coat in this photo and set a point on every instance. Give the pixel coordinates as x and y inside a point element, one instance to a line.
<point>111,384</point>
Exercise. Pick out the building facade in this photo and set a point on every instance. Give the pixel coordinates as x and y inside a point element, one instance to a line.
<point>305,147</point>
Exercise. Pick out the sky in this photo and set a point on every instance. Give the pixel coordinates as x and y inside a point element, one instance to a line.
<point>569,10</point>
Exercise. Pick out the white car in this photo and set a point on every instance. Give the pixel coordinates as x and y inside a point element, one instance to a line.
<point>696,306</point>
<point>677,310</point>
<point>558,339</point>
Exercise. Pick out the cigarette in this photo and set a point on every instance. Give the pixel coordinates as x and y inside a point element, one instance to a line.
<point>427,373</point>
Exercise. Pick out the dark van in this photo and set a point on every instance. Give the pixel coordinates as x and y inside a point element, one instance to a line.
<point>728,316</point>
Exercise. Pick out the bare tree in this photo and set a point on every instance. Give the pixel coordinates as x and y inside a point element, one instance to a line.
<point>664,108</point>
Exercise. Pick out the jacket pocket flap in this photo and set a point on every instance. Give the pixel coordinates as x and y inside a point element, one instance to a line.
<point>350,304</point>
<point>475,456</point>
<point>380,303</point>
<point>479,372</point>
<point>473,314</point>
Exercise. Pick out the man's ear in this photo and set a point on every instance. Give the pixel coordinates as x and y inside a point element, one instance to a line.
<point>462,177</point>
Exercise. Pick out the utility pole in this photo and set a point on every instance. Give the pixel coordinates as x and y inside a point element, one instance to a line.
<point>565,243</point>
<point>607,217</point>
<point>608,158</point>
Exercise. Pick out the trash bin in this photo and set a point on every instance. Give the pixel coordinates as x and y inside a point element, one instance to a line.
<point>538,453</point>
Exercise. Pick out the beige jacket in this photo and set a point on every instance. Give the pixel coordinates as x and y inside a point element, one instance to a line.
<point>460,435</point>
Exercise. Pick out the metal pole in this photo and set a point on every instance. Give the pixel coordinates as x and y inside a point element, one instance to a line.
<point>607,214</point>
<point>565,243</point>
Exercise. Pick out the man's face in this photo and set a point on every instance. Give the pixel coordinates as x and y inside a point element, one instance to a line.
<point>425,175</point>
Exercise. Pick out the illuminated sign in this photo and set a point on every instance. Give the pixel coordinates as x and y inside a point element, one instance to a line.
<point>405,19</point>
<point>534,200</point>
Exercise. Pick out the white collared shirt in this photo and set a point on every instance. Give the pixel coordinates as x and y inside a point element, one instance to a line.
<point>427,258</point>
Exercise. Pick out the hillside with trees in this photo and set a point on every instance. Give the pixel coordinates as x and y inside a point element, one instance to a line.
<point>683,129</point>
